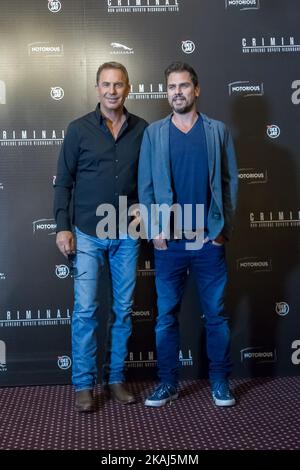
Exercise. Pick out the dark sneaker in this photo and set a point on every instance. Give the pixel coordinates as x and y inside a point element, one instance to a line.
<point>221,394</point>
<point>162,395</point>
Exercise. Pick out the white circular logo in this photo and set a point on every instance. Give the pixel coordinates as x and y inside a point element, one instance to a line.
<point>273,131</point>
<point>282,308</point>
<point>188,47</point>
<point>64,362</point>
<point>54,6</point>
<point>62,271</point>
<point>57,93</point>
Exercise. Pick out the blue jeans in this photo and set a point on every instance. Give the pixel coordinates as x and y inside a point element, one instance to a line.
<point>209,267</point>
<point>88,265</point>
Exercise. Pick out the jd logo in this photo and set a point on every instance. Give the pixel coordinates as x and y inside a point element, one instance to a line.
<point>282,308</point>
<point>54,6</point>
<point>188,47</point>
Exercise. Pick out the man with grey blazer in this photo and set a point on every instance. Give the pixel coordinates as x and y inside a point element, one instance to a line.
<point>187,160</point>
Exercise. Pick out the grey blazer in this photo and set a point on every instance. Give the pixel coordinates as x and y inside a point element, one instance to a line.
<point>154,176</point>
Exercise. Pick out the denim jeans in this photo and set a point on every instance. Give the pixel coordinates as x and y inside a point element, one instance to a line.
<point>209,267</point>
<point>122,256</point>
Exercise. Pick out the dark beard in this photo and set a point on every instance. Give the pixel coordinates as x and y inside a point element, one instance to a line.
<point>184,110</point>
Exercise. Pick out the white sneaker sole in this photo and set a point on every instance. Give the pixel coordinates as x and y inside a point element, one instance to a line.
<point>218,402</point>
<point>157,403</point>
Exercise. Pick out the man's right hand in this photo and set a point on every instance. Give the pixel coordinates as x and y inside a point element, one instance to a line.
<point>159,242</point>
<point>65,242</point>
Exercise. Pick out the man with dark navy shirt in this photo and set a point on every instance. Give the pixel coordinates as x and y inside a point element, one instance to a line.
<point>187,160</point>
<point>98,165</point>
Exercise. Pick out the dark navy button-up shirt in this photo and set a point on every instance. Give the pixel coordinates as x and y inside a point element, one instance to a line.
<point>96,169</point>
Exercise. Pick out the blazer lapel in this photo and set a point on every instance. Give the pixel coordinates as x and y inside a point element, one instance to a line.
<point>165,146</point>
<point>210,143</point>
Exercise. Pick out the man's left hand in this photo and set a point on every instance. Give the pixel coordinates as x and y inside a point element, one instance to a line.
<point>219,240</point>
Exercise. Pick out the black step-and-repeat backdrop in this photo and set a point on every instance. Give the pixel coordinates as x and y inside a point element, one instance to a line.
<point>247,53</point>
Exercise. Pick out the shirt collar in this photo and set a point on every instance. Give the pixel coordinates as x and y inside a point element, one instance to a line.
<point>101,118</point>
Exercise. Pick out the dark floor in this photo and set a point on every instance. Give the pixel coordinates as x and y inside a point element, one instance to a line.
<point>266,417</point>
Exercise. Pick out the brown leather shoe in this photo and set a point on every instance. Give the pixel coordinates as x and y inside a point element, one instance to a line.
<point>119,393</point>
<point>84,401</point>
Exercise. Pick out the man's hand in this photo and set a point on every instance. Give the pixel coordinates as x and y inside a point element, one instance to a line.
<point>159,242</point>
<point>65,242</point>
<point>219,240</point>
